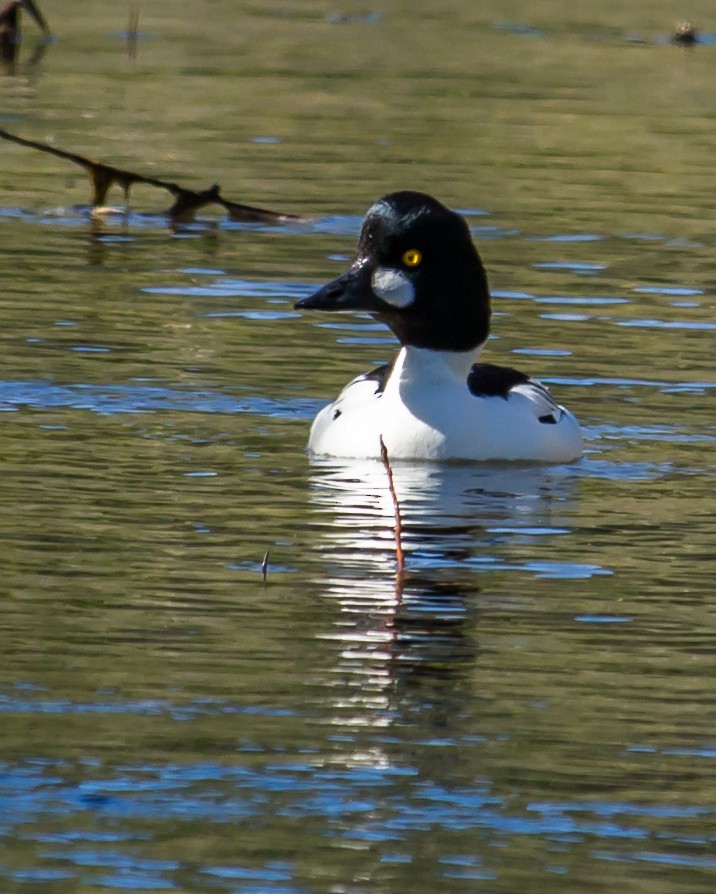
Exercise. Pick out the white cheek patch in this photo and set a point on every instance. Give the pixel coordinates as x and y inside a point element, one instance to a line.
<point>393,287</point>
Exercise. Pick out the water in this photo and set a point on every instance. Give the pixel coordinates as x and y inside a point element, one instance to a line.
<point>531,709</point>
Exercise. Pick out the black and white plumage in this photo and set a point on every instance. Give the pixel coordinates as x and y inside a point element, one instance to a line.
<point>418,271</point>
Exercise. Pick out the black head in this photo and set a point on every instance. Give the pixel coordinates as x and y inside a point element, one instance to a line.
<point>418,271</point>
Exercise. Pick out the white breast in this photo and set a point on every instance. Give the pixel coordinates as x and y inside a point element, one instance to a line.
<point>426,412</point>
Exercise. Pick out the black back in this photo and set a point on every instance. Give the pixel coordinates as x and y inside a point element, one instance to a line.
<point>490,380</point>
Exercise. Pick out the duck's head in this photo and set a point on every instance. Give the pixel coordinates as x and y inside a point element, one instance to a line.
<point>418,271</point>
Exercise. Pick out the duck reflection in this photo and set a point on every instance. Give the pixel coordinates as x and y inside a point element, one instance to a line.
<point>407,645</point>
<point>455,520</point>
<point>448,512</point>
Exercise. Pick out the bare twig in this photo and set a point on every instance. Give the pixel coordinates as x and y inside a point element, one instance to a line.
<point>10,26</point>
<point>186,201</point>
<point>398,529</point>
<point>132,30</point>
<point>264,566</point>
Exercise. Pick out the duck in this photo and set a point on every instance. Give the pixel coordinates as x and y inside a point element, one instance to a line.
<point>685,35</point>
<point>418,271</point>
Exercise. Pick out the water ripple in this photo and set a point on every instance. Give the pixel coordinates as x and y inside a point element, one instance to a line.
<point>114,399</point>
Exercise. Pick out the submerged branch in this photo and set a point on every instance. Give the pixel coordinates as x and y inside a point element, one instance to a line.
<point>10,26</point>
<point>133,30</point>
<point>398,529</point>
<point>186,201</point>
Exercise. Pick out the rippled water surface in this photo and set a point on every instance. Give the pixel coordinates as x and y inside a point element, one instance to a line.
<point>210,678</point>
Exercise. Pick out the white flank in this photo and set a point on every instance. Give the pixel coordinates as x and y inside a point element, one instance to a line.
<point>426,412</point>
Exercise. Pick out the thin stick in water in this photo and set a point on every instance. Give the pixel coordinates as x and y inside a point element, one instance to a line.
<point>133,30</point>
<point>398,529</point>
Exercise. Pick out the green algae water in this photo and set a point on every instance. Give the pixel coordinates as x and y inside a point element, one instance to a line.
<point>531,709</point>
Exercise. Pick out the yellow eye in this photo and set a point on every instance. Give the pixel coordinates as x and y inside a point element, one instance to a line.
<point>412,257</point>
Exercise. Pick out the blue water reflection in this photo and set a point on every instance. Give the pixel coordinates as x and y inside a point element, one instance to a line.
<point>369,800</point>
<point>528,707</point>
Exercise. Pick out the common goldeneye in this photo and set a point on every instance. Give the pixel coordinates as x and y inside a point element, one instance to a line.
<point>418,271</point>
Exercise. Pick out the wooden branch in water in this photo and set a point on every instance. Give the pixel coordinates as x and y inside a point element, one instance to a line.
<point>133,30</point>
<point>186,201</point>
<point>398,529</point>
<point>10,26</point>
